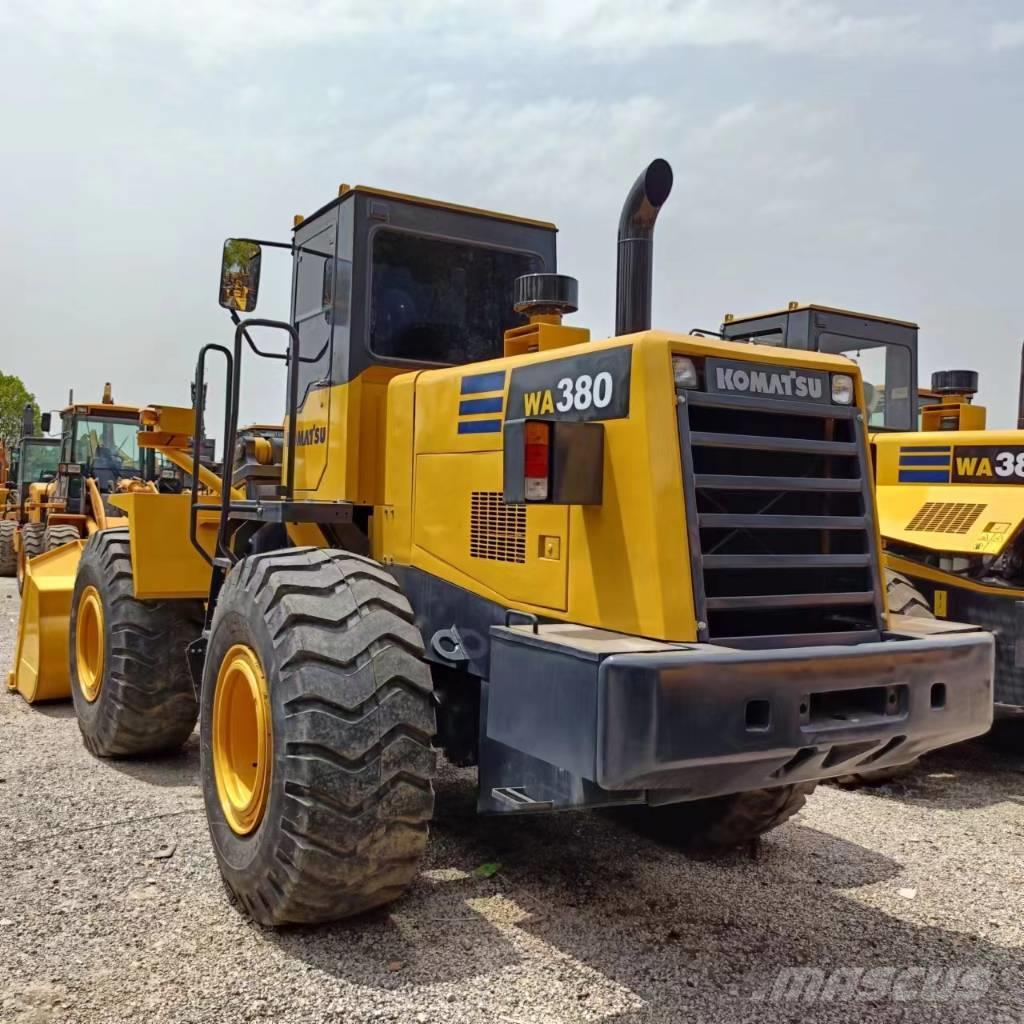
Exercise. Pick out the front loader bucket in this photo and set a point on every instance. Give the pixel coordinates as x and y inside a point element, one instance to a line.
<point>41,660</point>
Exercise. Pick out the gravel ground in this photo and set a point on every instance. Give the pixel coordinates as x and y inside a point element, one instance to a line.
<point>111,908</point>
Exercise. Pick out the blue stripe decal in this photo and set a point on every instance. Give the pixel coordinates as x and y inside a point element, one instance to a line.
<point>479,426</point>
<point>924,476</point>
<point>478,382</point>
<point>924,460</point>
<point>912,449</point>
<point>468,406</point>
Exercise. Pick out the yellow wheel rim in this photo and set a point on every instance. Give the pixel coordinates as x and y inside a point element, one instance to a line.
<point>242,739</point>
<point>89,643</point>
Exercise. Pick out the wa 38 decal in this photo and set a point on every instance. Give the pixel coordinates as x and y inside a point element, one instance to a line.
<point>987,464</point>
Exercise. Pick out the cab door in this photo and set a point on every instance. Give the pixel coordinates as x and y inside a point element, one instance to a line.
<point>314,261</point>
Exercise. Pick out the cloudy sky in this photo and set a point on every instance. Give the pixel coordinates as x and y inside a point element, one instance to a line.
<point>850,152</point>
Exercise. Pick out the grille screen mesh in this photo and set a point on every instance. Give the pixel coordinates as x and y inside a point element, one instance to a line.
<point>945,517</point>
<point>497,531</point>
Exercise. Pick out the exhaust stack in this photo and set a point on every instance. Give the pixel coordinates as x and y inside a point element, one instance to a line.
<point>1020,392</point>
<point>28,420</point>
<point>635,274</point>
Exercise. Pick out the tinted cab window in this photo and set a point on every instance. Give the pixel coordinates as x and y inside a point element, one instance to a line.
<point>439,301</point>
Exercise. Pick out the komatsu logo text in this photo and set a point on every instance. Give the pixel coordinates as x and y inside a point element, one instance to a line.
<point>762,382</point>
<point>311,435</point>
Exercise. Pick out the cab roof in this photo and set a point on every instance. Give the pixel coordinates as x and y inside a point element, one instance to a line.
<point>345,191</point>
<point>797,307</point>
<point>102,409</point>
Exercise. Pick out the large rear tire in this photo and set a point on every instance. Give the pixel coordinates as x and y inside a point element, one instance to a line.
<point>33,542</point>
<point>722,823</point>
<point>316,723</point>
<point>8,556</point>
<point>904,599</point>
<point>129,675</point>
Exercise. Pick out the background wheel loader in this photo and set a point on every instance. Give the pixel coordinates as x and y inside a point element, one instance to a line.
<point>950,495</point>
<point>98,457</point>
<point>31,471</point>
<point>640,571</point>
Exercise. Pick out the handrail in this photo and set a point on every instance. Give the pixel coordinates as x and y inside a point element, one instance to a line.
<point>198,469</point>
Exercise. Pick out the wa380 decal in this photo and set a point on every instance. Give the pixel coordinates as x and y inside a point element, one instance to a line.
<point>585,387</point>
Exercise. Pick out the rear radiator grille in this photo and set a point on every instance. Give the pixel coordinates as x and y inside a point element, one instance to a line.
<point>497,531</point>
<point>780,517</point>
<point>945,517</point>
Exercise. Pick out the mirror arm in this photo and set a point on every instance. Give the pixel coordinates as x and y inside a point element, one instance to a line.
<point>237,321</point>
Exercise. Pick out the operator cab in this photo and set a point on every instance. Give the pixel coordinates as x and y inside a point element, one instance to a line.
<point>36,463</point>
<point>885,350</point>
<point>99,441</point>
<point>385,279</point>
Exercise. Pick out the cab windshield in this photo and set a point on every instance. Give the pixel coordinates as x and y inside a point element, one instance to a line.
<point>39,461</point>
<point>107,449</point>
<point>885,370</point>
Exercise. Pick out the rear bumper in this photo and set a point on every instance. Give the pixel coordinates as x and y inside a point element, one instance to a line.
<point>700,720</point>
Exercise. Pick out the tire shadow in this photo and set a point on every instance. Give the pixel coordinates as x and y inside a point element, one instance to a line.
<point>588,910</point>
<point>178,769</point>
<point>971,775</point>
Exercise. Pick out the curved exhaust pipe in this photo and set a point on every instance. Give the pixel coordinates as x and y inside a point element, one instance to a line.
<point>634,280</point>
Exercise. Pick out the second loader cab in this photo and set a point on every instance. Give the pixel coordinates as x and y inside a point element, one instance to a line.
<point>885,349</point>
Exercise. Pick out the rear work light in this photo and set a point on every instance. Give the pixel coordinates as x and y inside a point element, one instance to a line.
<point>537,460</point>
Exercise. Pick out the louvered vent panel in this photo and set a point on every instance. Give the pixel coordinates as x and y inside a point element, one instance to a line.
<point>945,517</point>
<point>497,531</point>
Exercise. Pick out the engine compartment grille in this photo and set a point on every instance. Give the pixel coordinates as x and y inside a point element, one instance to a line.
<point>496,531</point>
<point>779,512</point>
<point>945,517</point>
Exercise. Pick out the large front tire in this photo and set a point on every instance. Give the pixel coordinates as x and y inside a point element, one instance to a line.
<point>316,723</point>
<point>129,674</point>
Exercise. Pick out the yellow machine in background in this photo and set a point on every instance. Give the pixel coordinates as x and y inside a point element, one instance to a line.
<point>26,479</point>
<point>104,458</point>
<point>642,571</point>
<point>951,507</point>
<point>95,456</point>
<point>950,494</point>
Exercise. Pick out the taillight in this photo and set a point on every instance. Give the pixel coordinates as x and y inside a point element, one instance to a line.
<point>537,460</point>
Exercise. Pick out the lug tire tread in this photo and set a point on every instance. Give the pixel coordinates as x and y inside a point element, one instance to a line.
<point>353,723</point>
<point>58,536</point>
<point>147,703</point>
<point>8,556</point>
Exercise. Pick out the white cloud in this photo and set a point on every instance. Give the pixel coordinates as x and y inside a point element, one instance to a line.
<point>213,30</point>
<point>1007,35</point>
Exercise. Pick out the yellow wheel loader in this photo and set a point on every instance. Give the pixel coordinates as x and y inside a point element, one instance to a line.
<point>31,472</point>
<point>641,571</point>
<point>98,457</point>
<point>952,501</point>
<point>950,494</point>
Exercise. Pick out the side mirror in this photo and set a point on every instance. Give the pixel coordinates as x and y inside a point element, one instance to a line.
<point>240,275</point>
<point>44,422</point>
